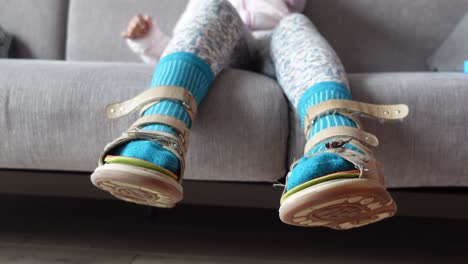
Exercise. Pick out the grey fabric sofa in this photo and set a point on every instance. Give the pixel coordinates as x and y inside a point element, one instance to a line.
<point>70,62</point>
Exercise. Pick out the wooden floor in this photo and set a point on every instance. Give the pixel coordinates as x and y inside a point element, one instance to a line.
<point>54,230</point>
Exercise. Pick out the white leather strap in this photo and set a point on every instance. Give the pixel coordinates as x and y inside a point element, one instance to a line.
<point>367,164</point>
<point>150,96</point>
<point>342,132</point>
<point>130,136</point>
<point>175,123</point>
<point>388,112</point>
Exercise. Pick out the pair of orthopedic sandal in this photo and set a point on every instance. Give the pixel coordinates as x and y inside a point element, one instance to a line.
<point>341,200</point>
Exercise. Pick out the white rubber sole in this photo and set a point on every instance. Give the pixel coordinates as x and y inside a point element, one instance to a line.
<point>138,185</point>
<point>339,204</point>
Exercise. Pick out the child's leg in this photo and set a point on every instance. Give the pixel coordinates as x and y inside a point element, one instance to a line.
<point>200,48</point>
<point>310,72</point>
<point>324,188</point>
<point>198,51</point>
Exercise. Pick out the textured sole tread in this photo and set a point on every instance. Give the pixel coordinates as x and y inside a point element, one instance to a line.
<point>138,185</point>
<point>340,204</point>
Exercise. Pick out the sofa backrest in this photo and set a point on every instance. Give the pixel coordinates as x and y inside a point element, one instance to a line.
<point>38,27</point>
<point>94,33</point>
<point>386,35</point>
<point>368,35</point>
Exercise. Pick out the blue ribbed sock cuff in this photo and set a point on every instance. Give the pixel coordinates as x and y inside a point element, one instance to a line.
<point>178,69</point>
<point>312,167</point>
<point>185,70</point>
<point>321,92</point>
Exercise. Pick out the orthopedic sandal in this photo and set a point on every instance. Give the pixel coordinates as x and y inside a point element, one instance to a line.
<point>136,180</point>
<point>345,199</point>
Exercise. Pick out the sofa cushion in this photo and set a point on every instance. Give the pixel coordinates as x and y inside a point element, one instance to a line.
<point>454,51</point>
<point>428,148</point>
<point>94,33</point>
<point>53,118</point>
<point>38,27</point>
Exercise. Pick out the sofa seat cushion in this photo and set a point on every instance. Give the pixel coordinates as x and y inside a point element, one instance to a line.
<point>427,149</point>
<point>53,118</point>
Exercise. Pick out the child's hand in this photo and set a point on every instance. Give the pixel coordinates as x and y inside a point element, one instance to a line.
<point>138,27</point>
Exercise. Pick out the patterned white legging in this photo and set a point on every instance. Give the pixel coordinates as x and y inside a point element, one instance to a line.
<point>294,52</point>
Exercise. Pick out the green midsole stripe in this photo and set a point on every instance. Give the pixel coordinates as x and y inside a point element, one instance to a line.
<point>334,176</point>
<point>139,163</point>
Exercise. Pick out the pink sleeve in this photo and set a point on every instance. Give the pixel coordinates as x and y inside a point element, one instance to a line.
<point>296,5</point>
<point>151,47</point>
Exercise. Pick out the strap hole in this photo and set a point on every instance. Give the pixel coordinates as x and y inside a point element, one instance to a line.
<point>397,111</point>
<point>112,110</point>
<point>386,112</point>
<point>121,108</point>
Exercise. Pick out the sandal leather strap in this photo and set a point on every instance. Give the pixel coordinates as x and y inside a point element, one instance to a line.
<point>147,135</point>
<point>369,167</point>
<point>177,145</point>
<point>176,124</point>
<point>388,112</point>
<point>164,138</point>
<point>151,96</point>
<point>343,133</point>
